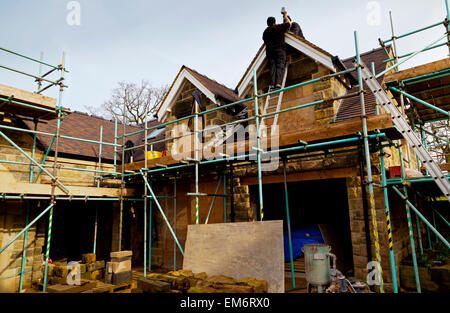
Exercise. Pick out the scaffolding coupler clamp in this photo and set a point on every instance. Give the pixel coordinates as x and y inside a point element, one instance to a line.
<point>3,196</point>
<point>258,149</point>
<point>70,198</point>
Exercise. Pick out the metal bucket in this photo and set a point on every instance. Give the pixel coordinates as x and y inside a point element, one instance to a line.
<point>317,264</point>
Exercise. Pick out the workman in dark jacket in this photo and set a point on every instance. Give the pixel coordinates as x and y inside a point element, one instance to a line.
<point>273,37</point>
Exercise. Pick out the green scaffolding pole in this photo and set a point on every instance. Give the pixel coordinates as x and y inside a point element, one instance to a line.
<point>162,212</point>
<point>225,197</point>
<point>175,223</point>
<point>24,253</point>
<point>33,151</point>
<point>410,228</point>
<point>288,220</point>
<point>388,222</point>
<point>258,147</point>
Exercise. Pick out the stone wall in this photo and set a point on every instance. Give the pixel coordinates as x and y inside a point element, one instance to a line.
<point>12,221</point>
<point>301,68</point>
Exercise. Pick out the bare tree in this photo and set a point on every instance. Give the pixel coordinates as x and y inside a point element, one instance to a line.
<point>439,148</point>
<point>134,99</point>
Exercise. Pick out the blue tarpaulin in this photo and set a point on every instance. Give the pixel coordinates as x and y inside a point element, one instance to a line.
<point>301,235</point>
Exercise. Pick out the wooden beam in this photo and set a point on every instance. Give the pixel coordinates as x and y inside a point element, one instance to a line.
<point>419,70</point>
<point>303,176</point>
<point>11,187</point>
<point>347,128</point>
<point>27,97</point>
<point>444,167</point>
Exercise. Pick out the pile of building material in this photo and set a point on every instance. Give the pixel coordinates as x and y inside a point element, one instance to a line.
<point>118,270</point>
<point>183,281</point>
<point>89,267</point>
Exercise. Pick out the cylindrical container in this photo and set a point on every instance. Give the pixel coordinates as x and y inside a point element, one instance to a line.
<point>317,264</point>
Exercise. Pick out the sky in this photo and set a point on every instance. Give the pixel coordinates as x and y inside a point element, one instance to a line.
<point>136,39</point>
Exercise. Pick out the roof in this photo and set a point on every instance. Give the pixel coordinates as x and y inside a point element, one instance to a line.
<point>209,87</point>
<point>350,108</point>
<point>82,125</point>
<point>295,41</point>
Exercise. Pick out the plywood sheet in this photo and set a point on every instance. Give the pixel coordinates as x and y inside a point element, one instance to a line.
<point>238,250</point>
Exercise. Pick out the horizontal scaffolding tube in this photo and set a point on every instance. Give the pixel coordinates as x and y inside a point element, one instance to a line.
<point>412,55</point>
<point>27,74</point>
<point>27,105</point>
<point>420,101</point>
<point>24,56</point>
<point>61,167</point>
<point>408,54</point>
<point>65,198</point>
<point>51,135</point>
<point>414,32</point>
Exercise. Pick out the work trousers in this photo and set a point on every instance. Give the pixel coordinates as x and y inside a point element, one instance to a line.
<point>277,65</point>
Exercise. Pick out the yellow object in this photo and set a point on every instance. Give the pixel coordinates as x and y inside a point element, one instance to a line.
<point>153,155</point>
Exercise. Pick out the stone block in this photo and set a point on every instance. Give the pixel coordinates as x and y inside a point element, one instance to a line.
<point>119,267</point>
<point>89,258</point>
<point>123,277</point>
<point>121,254</point>
<point>95,266</point>
<point>152,286</point>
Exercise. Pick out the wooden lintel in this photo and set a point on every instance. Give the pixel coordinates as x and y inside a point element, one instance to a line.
<point>8,187</point>
<point>419,70</point>
<point>302,176</point>
<point>336,130</point>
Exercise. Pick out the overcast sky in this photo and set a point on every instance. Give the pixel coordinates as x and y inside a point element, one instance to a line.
<point>136,39</point>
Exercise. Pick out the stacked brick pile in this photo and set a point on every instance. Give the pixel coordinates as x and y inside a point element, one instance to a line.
<point>118,270</point>
<point>185,281</point>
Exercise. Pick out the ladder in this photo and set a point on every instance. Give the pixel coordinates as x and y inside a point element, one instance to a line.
<point>402,125</point>
<point>268,108</point>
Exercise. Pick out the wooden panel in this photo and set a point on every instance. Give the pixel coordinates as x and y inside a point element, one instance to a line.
<point>336,130</point>
<point>419,70</point>
<point>303,176</point>
<point>28,98</point>
<point>238,250</point>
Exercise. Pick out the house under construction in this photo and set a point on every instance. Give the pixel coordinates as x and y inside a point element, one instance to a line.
<point>341,147</point>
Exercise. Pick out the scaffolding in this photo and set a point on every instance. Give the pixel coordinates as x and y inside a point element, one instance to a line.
<point>224,166</point>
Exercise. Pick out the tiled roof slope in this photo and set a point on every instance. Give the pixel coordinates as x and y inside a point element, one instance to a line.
<point>82,125</point>
<point>350,108</point>
<point>216,88</point>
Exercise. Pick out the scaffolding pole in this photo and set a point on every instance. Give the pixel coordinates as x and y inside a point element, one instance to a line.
<point>288,221</point>
<point>368,163</point>
<point>145,193</point>
<point>55,164</point>
<point>175,223</point>
<point>24,252</point>
<point>162,212</point>
<point>388,222</point>
<point>258,147</point>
